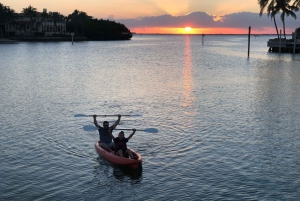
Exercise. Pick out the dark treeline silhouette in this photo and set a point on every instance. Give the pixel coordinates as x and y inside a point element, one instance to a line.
<point>94,29</point>
<point>78,22</point>
<point>6,15</point>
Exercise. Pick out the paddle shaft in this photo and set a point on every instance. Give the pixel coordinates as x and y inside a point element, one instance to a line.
<point>148,130</point>
<point>108,115</point>
<point>127,129</point>
<point>94,128</point>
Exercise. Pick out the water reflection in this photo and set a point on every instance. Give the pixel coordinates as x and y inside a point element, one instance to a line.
<point>121,173</point>
<point>187,74</point>
<point>276,120</point>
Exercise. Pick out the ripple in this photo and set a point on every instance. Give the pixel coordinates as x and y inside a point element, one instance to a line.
<point>227,128</point>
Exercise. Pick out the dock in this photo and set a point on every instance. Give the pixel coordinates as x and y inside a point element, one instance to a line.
<point>286,45</point>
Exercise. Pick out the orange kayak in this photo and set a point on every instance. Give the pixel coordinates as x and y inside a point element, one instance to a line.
<point>118,160</point>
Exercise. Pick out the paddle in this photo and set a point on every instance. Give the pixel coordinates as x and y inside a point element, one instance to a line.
<point>147,130</point>
<point>108,115</point>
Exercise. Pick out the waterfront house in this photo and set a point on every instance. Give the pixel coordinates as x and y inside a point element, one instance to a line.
<point>44,24</point>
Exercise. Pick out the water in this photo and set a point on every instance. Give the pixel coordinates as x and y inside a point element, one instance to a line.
<point>228,125</point>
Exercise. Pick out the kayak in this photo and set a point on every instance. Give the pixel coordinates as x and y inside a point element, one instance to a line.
<point>118,160</point>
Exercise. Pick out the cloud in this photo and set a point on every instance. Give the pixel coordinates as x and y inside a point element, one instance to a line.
<point>195,19</point>
<point>204,20</point>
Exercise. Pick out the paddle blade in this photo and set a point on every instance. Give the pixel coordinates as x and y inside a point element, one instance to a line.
<point>151,130</point>
<point>81,115</point>
<point>90,128</point>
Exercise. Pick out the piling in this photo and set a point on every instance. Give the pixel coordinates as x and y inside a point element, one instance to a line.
<point>280,42</point>
<point>72,34</point>
<point>249,32</point>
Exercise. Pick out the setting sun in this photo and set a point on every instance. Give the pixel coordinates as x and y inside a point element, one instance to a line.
<point>188,29</point>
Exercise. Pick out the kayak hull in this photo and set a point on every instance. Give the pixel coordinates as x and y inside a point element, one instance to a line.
<point>118,160</point>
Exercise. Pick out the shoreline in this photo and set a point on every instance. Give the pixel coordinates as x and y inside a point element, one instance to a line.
<point>40,39</point>
<point>7,41</point>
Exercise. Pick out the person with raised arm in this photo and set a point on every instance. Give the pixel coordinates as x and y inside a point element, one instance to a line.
<point>104,133</point>
<point>120,144</point>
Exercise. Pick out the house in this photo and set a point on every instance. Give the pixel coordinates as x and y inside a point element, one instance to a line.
<point>44,24</point>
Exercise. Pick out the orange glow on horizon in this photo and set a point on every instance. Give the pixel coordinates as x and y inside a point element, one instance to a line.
<point>188,29</point>
<point>178,30</point>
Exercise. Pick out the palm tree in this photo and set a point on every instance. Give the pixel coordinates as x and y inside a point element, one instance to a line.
<point>1,13</point>
<point>57,17</point>
<point>287,10</point>
<point>44,16</point>
<point>6,15</point>
<point>31,13</point>
<point>271,10</point>
<point>275,6</point>
<point>10,16</point>
<point>83,19</point>
<point>297,3</point>
<point>78,18</point>
<point>74,19</point>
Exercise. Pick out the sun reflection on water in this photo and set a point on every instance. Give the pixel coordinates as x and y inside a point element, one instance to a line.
<point>187,75</point>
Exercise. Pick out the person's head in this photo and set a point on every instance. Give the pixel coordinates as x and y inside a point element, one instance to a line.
<point>121,135</point>
<point>106,124</point>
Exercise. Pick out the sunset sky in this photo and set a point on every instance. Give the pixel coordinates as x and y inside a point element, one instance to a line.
<point>170,16</point>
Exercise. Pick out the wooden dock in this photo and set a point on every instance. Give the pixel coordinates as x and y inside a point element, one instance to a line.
<point>286,45</point>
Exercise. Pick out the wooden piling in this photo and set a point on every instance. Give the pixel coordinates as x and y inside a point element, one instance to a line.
<point>249,33</point>
<point>280,42</point>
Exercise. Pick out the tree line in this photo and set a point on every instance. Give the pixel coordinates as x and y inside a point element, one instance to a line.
<point>77,22</point>
<point>283,7</point>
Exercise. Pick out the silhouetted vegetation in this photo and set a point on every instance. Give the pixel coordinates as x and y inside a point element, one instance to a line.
<point>106,30</point>
<point>93,29</point>
<point>274,7</point>
<point>78,22</point>
<point>6,16</point>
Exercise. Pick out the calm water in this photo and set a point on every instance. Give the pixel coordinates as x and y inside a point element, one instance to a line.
<point>228,125</point>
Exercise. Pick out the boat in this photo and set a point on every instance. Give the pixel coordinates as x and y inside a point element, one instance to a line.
<point>118,160</point>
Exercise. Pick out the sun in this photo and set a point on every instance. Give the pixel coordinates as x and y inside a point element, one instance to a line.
<point>188,29</point>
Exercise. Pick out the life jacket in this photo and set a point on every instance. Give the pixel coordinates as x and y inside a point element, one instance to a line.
<point>121,144</point>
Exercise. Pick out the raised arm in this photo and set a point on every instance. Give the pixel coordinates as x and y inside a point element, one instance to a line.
<point>95,121</point>
<point>117,122</point>
<point>131,133</point>
<point>111,135</point>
